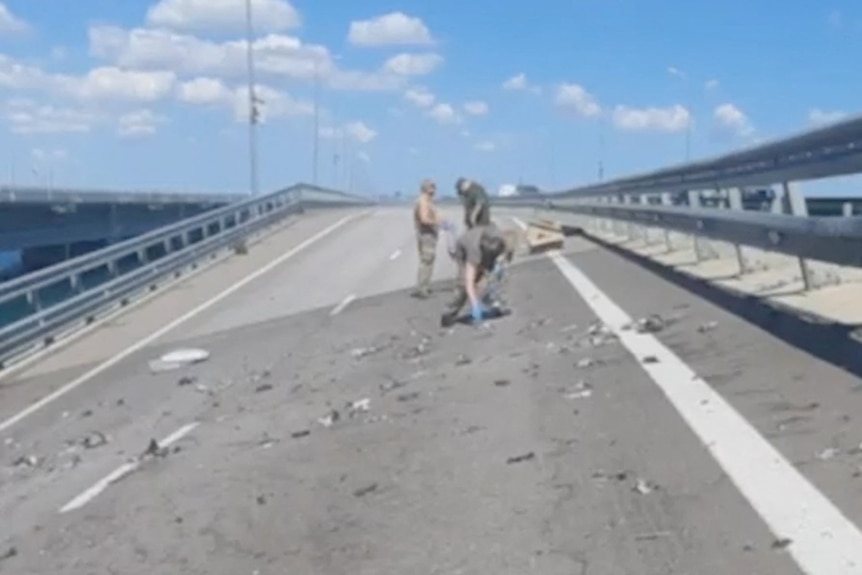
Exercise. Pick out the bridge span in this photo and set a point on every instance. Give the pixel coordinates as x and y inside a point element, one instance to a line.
<point>336,428</point>
<point>47,226</point>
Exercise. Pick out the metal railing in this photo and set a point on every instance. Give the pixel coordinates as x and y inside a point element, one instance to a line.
<point>60,195</point>
<point>677,198</point>
<point>43,305</point>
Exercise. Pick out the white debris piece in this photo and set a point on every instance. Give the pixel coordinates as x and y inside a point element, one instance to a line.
<point>178,358</point>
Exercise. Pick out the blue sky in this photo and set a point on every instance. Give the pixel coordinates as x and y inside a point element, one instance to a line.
<point>138,94</point>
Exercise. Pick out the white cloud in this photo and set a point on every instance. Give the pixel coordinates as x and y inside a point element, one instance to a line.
<point>395,28</point>
<point>671,119</point>
<point>205,92</point>
<point>28,117</point>
<point>420,97</point>
<point>357,131</point>
<point>360,132</point>
<point>276,56</point>
<point>363,157</point>
<point>115,84</point>
<point>575,98</point>
<point>485,146</point>
<point>214,92</point>
<point>444,114</point>
<point>476,108</point>
<point>818,116</point>
<point>413,64</point>
<point>518,82</point>
<point>222,15</point>
<point>9,23</point>
<point>711,84</point>
<point>732,119</point>
<point>673,71</point>
<point>138,123</point>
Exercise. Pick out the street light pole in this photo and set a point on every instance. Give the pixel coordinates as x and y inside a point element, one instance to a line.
<point>316,159</point>
<point>252,102</point>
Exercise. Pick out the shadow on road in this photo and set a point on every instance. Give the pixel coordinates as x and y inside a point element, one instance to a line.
<point>827,340</point>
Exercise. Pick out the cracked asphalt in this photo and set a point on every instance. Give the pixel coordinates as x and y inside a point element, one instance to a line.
<point>536,443</point>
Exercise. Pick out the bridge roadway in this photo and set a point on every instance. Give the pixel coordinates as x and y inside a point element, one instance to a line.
<point>529,445</point>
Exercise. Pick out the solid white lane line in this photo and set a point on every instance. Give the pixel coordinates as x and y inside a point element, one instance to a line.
<point>126,468</point>
<point>344,303</point>
<point>824,541</point>
<point>395,255</point>
<point>142,343</point>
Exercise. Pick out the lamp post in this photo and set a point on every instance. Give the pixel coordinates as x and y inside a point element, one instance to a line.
<point>253,113</point>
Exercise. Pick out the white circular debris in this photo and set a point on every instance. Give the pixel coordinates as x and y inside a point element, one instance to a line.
<point>186,356</point>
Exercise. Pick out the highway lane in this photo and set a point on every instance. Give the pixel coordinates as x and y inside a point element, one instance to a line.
<point>371,253</point>
<point>421,481</point>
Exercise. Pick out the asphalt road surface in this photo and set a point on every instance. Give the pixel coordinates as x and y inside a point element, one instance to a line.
<point>569,438</point>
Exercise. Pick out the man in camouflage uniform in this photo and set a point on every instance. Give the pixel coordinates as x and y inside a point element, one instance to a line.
<point>427,226</point>
<point>480,253</point>
<point>477,204</point>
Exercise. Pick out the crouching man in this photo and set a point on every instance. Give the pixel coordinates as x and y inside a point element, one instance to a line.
<point>480,252</point>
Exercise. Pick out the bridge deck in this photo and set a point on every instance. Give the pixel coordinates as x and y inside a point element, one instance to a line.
<point>430,478</point>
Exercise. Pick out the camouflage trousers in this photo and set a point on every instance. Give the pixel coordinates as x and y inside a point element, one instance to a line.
<point>427,247</point>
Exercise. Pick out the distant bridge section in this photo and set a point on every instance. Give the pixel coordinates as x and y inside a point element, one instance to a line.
<point>50,225</point>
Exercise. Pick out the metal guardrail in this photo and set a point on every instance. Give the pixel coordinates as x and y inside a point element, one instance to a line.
<point>52,301</point>
<point>829,151</point>
<point>45,195</point>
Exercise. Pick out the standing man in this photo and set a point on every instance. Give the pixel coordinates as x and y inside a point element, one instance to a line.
<point>427,230</point>
<point>480,251</point>
<point>477,205</point>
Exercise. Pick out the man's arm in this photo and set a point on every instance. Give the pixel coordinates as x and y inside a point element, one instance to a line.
<point>470,283</point>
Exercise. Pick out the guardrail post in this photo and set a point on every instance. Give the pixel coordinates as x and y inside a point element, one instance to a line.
<point>631,228</point>
<point>793,202</point>
<point>734,202</point>
<point>847,209</point>
<point>666,199</point>
<point>695,202</point>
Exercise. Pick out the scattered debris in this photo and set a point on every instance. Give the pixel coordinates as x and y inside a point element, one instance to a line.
<point>828,454</point>
<point>94,440</point>
<point>651,324</point>
<point>582,390</point>
<point>618,476</point>
<point>362,352</point>
<point>643,486</point>
<point>391,385</point>
<point>264,387</point>
<point>9,553</point>
<point>330,418</point>
<point>367,490</point>
<point>27,461</point>
<point>177,359</point>
<point>585,363</point>
<point>261,500</point>
<point>652,536</point>
<point>86,413</point>
<point>299,434</point>
<point>782,543</point>
<point>405,397</point>
<point>155,450</point>
<point>650,359</point>
<point>186,380</point>
<point>521,458</point>
<point>463,360</point>
<point>360,405</point>
<point>502,382</point>
<point>707,327</point>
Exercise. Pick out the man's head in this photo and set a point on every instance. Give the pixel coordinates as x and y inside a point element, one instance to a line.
<point>428,187</point>
<point>462,185</point>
